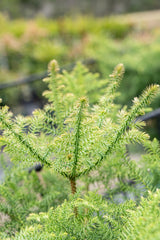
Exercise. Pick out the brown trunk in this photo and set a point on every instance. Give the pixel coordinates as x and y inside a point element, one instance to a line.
<point>73,186</point>
<point>73,190</point>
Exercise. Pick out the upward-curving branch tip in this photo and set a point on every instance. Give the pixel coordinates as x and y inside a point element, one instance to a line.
<point>118,71</point>
<point>53,66</point>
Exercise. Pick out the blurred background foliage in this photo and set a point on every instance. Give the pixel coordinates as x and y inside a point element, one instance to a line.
<point>26,47</point>
<point>56,8</point>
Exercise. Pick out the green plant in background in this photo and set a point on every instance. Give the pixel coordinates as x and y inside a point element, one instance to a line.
<point>46,38</point>
<point>26,47</point>
<point>137,55</point>
<point>73,138</point>
<point>108,40</point>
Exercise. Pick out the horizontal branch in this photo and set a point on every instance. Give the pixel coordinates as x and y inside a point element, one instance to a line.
<point>150,115</point>
<point>40,76</point>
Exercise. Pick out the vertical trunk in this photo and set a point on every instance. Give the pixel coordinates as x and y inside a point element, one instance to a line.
<point>73,190</point>
<point>73,186</point>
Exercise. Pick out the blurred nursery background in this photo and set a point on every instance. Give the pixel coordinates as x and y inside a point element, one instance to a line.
<point>100,33</point>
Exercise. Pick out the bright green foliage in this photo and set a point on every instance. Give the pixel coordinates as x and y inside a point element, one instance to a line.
<point>150,161</point>
<point>75,150</point>
<point>96,220</point>
<point>73,138</point>
<point>72,85</point>
<point>23,193</point>
<point>144,223</point>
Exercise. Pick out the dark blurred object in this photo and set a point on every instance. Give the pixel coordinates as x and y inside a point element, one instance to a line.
<point>152,120</point>
<point>150,115</point>
<point>56,8</point>
<point>38,167</point>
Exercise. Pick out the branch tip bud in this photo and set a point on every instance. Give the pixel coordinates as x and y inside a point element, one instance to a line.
<point>83,99</point>
<point>53,66</point>
<point>119,69</point>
